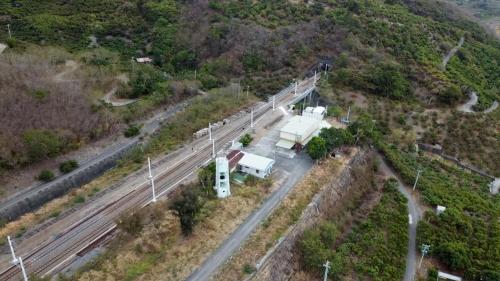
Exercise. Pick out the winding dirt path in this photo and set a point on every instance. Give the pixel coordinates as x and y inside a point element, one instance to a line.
<point>451,53</point>
<point>70,66</point>
<point>110,95</point>
<point>468,106</point>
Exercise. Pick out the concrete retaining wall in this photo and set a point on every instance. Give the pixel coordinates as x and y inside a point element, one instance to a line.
<point>33,198</point>
<point>279,265</point>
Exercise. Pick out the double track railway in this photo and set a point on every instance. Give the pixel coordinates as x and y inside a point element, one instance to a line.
<point>53,255</point>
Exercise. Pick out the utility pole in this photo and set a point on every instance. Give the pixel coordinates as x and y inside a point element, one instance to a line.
<point>274,100</point>
<point>151,178</point>
<point>296,86</point>
<point>8,28</point>
<point>416,180</point>
<point>213,148</point>
<point>251,119</point>
<point>248,90</point>
<point>23,270</point>
<point>14,259</point>
<point>373,125</point>
<point>357,137</point>
<point>195,74</point>
<point>326,68</point>
<point>209,131</point>
<point>314,78</point>
<point>425,249</point>
<point>327,268</point>
<point>239,87</point>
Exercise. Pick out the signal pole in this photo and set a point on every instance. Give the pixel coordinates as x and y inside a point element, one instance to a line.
<point>23,270</point>
<point>14,259</point>
<point>251,119</point>
<point>209,131</point>
<point>296,86</point>
<point>151,178</point>
<point>327,267</point>
<point>416,179</point>
<point>315,78</point>
<point>274,101</point>
<point>213,148</point>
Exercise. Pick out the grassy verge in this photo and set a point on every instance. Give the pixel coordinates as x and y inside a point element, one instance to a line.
<point>159,251</point>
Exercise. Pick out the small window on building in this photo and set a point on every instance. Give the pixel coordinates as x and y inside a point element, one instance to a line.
<point>256,171</point>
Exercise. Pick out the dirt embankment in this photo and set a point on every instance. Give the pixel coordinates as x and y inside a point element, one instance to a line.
<point>283,262</point>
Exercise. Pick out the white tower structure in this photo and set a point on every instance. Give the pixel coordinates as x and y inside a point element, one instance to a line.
<point>222,177</point>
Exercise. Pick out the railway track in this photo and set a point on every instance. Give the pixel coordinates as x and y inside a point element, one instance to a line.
<point>55,254</point>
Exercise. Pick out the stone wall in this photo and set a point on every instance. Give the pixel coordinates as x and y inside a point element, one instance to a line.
<point>279,265</point>
<point>33,198</point>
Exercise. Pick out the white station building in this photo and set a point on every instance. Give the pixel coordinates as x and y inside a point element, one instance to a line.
<point>301,129</point>
<point>256,165</point>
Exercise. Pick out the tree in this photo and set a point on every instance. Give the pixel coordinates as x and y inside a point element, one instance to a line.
<point>455,254</point>
<point>144,81</point>
<point>335,138</point>
<point>186,207</point>
<point>316,148</point>
<point>388,81</point>
<point>206,178</point>
<point>246,139</point>
<point>41,144</point>
<point>450,96</point>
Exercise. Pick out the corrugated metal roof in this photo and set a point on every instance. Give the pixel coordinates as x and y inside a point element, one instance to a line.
<point>448,276</point>
<point>286,144</point>
<point>256,161</point>
<point>300,125</point>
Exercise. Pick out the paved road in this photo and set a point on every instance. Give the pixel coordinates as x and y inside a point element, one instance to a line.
<point>414,217</point>
<point>60,244</point>
<point>295,172</point>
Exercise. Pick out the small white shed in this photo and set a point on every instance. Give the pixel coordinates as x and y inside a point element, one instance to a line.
<point>256,165</point>
<point>447,276</point>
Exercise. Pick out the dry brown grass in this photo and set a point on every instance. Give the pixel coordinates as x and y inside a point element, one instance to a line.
<point>280,221</point>
<point>34,96</point>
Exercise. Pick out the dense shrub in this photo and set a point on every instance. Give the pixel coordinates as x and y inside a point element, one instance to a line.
<point>388,81</point>
<point>316,148</point>
<point>132,131</point>
<point>375,249</point>
<point>45,176</point>
<point>41,144</point>
<point>246,139</point>
<point>144,81</point>
<point>68,166</point>
<point>466,236</point>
